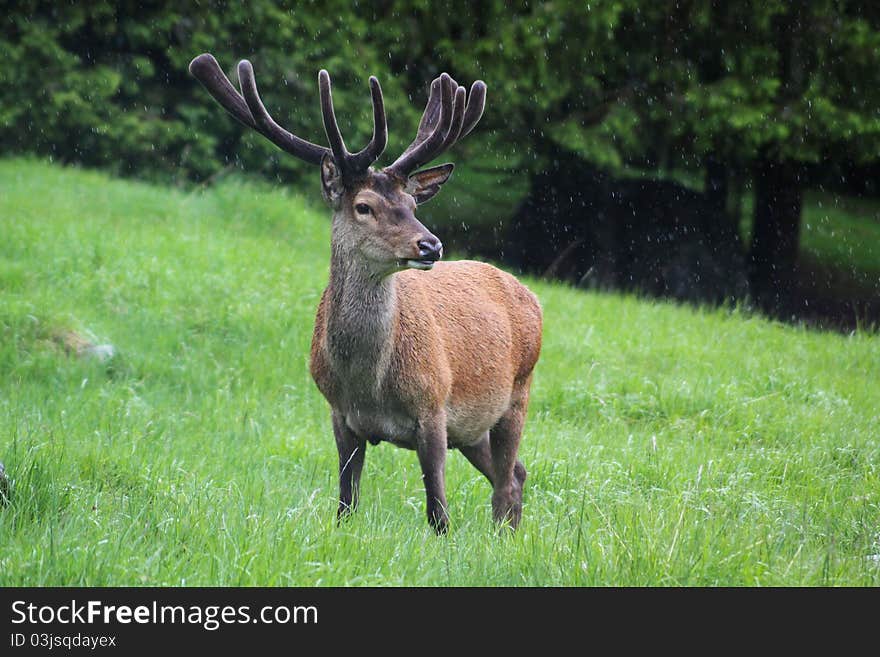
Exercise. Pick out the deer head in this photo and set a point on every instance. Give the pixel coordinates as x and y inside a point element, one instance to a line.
<point>373,209</point>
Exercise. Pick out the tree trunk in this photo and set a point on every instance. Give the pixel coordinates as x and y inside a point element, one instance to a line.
<point>716,183</point>
<point>775,234</point>
<point>721,227</point>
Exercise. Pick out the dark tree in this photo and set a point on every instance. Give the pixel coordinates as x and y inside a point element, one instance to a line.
<point>747,89</point>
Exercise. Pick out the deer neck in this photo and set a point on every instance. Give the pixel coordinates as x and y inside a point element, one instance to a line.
<point>361,316</point>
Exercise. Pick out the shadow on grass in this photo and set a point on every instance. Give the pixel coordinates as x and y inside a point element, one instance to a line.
<point>834,297</point>
<point>825,295</point>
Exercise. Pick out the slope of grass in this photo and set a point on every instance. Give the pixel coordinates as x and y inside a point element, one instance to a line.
<point>665,445</point>
<point>844,233</point>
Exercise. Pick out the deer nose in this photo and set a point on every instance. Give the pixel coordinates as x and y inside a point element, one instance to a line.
<point>430,248</point>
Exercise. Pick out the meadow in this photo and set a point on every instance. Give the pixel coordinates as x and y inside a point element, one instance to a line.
<point>666,445</point>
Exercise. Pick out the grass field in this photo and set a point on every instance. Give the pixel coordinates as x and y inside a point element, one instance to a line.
<point>665,445</point>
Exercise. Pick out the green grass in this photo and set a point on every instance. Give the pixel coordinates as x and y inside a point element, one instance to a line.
<point>843,232</point>
<point>665,445</point>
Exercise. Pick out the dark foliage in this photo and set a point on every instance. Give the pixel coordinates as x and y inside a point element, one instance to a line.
<point>785,93</point>
<point>657,237</point>
<point>106,83</point>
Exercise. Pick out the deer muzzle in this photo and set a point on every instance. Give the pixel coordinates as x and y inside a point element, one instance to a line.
<point>430,250</point>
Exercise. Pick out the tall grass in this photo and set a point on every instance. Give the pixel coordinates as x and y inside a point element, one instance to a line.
<point>665,445</point>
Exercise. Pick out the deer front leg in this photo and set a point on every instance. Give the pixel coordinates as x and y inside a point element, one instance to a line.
<point>351,461</point>
<point>431,448</point>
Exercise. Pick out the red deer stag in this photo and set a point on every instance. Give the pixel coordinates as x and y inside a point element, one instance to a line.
<point>424,354</point>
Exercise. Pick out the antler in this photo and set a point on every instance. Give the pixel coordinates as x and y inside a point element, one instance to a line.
<point>357,162</point>
<point>249,110</point>
<point>446,119</point>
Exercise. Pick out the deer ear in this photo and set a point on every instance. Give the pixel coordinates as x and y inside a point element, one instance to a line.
<point>423,185</point>
<point>331,181</point>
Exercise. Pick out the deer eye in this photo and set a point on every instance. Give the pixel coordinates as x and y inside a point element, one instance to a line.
<point>363,208</point>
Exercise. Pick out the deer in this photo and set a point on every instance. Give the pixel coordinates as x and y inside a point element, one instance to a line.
<point>424,354</point>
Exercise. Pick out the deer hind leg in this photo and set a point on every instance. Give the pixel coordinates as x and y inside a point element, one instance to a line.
<point>351,462</point>
<point>509,474</point>
<point>480,456</point>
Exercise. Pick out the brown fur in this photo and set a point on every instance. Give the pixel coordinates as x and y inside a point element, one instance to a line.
<point>455,343</point>
<point>423,359</point>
